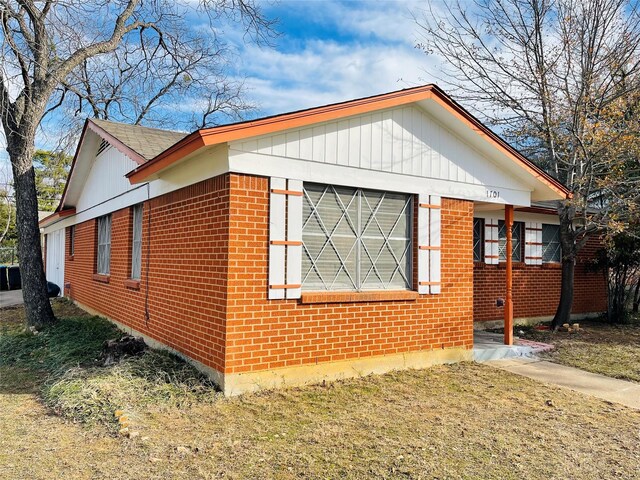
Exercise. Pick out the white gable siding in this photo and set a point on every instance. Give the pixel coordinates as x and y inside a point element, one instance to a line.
<point>106,179</point>
<point>404,140</point>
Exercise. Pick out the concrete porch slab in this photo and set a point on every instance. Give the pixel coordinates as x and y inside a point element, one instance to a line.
<point>490,346</point>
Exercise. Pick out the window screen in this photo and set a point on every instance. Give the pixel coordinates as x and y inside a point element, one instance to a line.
<point>478,239</point>
<point>72,240</point>
<point>136,244</point>
<point>516,241</point>
<point>551,250</point>
<point>355,239</point>
<point>104,244</point>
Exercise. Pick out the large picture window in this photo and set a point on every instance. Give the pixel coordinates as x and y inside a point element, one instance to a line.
<point>104,245</point>
<point>551,251</point>
<point>516,241</point>
<point>355,239</point>
<point>136,242</point>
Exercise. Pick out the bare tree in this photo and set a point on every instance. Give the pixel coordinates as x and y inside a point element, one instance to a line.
<point>559,79</point>
<point>120,59</point>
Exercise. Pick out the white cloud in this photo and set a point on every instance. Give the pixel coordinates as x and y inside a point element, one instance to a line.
<point>326,72</point>
<point>375,53</point>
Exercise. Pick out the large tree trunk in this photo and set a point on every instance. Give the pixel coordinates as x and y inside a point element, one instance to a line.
<point>566,214</point>
<point>34,284</point>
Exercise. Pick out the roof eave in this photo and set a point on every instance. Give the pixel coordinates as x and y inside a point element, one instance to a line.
<point>228,133</point>
<point>49,220</point>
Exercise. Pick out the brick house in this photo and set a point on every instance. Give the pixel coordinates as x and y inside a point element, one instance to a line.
<point>347,239</point>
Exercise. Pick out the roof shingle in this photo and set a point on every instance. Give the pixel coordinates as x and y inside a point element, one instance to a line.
<point>147,142</point>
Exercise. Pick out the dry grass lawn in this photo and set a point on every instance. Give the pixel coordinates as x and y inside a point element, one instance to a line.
<point>460,421</point>
<point>612,350</point>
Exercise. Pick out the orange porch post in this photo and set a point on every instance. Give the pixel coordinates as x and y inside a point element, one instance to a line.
<point>508,308</point>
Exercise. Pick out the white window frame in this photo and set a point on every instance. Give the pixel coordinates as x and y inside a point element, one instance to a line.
<point>103,254</point>
<point>136,241</point>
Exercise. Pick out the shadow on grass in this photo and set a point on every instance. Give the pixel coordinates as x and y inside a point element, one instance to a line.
<point>63,364</point>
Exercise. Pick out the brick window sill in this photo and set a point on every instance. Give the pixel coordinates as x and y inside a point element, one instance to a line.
<point>552,265</point>
<point>99,277</point>
<point>501,265</point>
<point>514,265</point>
<point>354,297</point>
<point>132,284</point>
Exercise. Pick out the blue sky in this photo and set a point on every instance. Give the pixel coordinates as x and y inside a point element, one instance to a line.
<point>335,50</point>
<point>328,51</point>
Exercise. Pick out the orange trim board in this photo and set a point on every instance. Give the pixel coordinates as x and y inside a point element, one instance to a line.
<point>294,193</point>
<point>285,286</point>
<point>428,247</point>
<point>238,131</point>
<point>292,243</point>
<point>429,205</point>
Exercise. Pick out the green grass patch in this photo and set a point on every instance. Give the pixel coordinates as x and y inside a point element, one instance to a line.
<point>71,342</point>
<point>65,365</point>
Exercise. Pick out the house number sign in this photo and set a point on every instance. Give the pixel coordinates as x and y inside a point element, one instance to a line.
<point>493,193</point>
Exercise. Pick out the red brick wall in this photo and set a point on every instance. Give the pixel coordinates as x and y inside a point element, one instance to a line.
<point>536,289</point>
<point>265,334</point>
<point>187,270</point>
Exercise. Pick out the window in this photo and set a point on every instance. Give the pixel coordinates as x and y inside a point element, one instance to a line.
<point>516,241</point>
<point>136,242</point>
<point>72,240</point>
<point>551,251</point>
<point>355,239</point>
<point>104,245</point>
<point>478,239</point>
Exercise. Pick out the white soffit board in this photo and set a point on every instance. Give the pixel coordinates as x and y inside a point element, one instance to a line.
<point>405,141</point>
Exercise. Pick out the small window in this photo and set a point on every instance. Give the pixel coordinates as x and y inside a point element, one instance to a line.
<point>478,239</point>
<point>551,250</point>
<point>104,245</point>
<point>516,241</point>
<point>72,240</point>
<point>136,243</point>
<point>355,239</point>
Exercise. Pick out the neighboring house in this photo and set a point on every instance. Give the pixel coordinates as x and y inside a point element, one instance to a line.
<point>319,244</point>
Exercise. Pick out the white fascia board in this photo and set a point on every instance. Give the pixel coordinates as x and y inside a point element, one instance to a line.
<point>319,172</point>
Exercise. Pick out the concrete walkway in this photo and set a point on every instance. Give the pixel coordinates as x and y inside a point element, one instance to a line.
<point>10,297</point>
<point>606,388</point>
